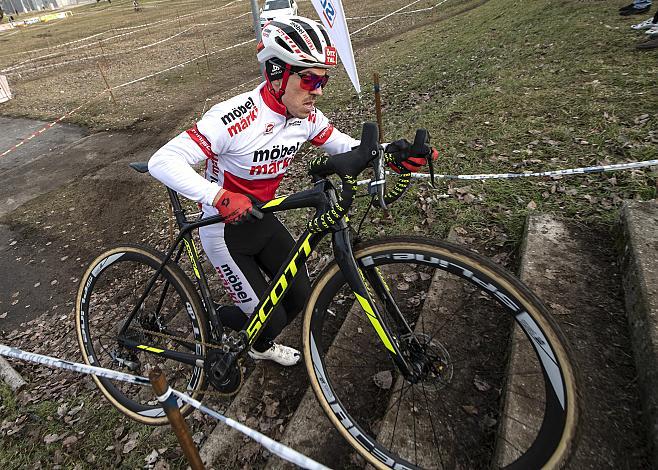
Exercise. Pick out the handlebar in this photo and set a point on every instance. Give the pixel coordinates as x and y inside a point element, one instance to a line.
<point>350,164</point>
<point>347,166</point>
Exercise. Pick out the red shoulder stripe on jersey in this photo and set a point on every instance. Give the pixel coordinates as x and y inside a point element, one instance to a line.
<point>322,137</point>
<point>201,141</point>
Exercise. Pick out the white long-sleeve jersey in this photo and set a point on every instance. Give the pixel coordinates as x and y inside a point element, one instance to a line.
<point>247,144</point>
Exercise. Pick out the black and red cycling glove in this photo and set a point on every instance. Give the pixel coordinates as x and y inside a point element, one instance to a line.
<point>403,159</point>
<point>234,207</point>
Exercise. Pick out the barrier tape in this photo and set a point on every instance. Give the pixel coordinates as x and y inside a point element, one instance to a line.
<point>15,69</point>
<point>145,25</point>
<point>397,11</point>
<point>571,171</point>
<point>108,54</point>
<point>72,366</point>
<point>271,445</point>
<point>40,131</point>
<point>183,63</point>
<point>44,129</point>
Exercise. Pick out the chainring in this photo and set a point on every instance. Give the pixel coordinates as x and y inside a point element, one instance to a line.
<point>227,383</point>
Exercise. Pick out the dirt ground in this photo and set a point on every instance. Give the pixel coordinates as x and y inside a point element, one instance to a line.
<point>47,242</point>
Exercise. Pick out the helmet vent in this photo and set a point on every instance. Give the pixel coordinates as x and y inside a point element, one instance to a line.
<point>283,44</point>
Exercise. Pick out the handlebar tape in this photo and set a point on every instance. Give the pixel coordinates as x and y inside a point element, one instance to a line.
<point>347,166</point>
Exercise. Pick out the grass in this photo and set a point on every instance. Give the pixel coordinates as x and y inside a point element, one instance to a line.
<point>510,89</point>
<point>97,445</point>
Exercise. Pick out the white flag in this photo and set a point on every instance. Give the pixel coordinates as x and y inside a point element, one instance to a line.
<point>333,17</point>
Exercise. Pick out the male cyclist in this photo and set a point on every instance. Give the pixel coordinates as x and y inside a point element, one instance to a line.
<point>247,144</point>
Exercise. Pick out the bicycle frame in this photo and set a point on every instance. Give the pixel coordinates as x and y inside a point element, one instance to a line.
<point>320,197</point>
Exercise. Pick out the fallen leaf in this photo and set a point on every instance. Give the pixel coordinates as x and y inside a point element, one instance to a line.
<point>129,446</point>
<point>481,384</point>
<point>470,409</point>
<point>410,276</point>
<point>50,438</point>
<point>69,441</point>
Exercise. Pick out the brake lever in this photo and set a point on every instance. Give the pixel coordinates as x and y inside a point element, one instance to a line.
<point>422,142</point>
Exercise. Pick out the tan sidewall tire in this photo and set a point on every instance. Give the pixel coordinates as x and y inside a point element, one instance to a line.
<point>531,303</point>
<point>175,272</point>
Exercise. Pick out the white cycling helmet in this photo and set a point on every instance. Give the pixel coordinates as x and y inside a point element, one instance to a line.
<point>296,41</point>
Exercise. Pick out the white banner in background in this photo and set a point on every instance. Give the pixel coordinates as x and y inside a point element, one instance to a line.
<point>5,92</point>
<point>333,17</point>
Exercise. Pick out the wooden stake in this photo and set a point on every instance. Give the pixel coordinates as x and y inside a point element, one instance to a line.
<point>178,424</point>
<point>106,84</point>
<point>205,51</point>
<point>378,111</point>
<point>378,106</point>
<point>100,44</point>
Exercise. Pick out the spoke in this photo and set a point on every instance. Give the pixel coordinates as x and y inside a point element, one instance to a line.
<point>520,452</point>
<point>413,415</point>
<point>497,328</point>
<point>397,412</point>
<point>522,423</point>
<point>375,367</point>
<point>404,389</point>
<point>436,439</point>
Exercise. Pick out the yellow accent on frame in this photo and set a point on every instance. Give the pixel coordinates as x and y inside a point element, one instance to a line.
<point>150,349</point>
<point>192,258</point>
<point>375,322</point>
<point>275,202</point>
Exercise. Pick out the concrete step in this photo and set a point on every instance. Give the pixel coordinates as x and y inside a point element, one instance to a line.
<point>573,269</point>
<point>639,261</point>
<point>310,431</point>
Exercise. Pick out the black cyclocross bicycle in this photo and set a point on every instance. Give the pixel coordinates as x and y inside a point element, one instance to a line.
<point>421,353</point>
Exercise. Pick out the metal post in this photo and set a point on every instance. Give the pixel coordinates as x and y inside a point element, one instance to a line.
<point>178,424</point>
<point>255,17</point>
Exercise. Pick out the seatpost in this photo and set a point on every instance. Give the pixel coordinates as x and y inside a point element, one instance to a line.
<point>178,208</point>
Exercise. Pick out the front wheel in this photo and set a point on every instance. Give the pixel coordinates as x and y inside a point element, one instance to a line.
<point>493,384</point>
<point>171,317</point>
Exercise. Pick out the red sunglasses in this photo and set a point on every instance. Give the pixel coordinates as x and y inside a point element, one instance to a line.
<point>310,81</point>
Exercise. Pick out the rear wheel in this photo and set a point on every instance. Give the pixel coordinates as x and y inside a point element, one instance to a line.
<point>171,317</point>
<point>495,386</point>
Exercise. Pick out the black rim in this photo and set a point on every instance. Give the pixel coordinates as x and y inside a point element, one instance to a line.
<point>146,411</point>
<point>554,416</point>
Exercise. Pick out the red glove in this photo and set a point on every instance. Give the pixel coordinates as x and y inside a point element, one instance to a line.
<point>234,207</point>
<point>403,160</point>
